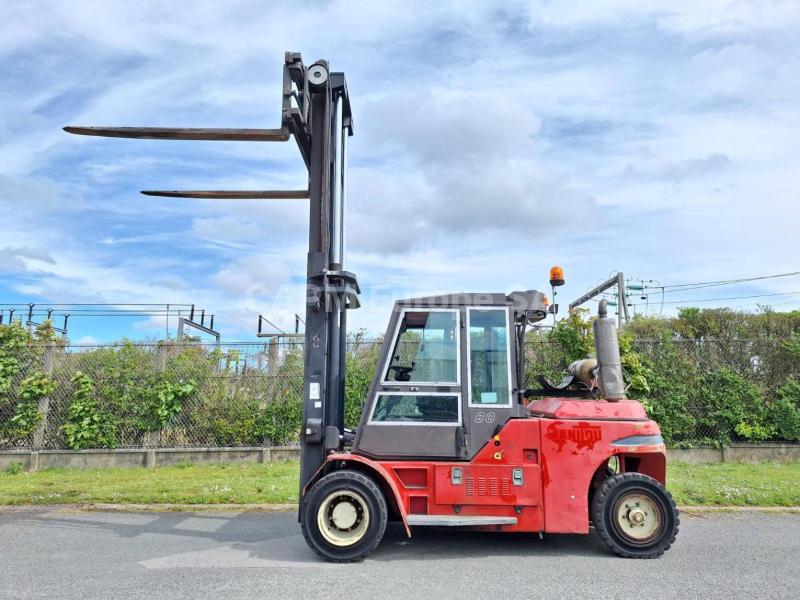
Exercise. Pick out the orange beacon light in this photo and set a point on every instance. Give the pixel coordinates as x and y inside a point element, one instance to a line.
<point>556,276</point>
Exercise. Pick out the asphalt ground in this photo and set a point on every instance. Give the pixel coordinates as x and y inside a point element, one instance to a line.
<point>67,553</point>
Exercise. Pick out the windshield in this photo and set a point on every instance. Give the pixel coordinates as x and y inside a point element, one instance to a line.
<point>426,349</point>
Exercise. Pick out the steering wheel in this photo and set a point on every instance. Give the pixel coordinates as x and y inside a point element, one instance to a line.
<point>401,372</point>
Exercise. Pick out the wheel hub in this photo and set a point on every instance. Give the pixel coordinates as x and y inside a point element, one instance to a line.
<point>344,515</point>
<point>343,518</point>
<point>638,518</point>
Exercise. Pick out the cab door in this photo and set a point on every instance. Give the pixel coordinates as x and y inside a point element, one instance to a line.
<point>415,409</point>
<point>491,381</point>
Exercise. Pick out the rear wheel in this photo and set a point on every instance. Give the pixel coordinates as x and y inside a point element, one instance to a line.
<point>344,516</point>
<point>635,516</point>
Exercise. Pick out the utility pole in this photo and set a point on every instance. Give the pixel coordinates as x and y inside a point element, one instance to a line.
<point>622,306</point>
<point>617,280</point>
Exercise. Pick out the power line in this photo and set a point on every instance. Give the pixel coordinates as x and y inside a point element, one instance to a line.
<point>731,298</point>
<point>792,301</point>
<point>119,314</point>
<point>681,287</point>
<point>97,313</point>
<point>731,281</point>
<point>93,304</point>
<point>728,298</point>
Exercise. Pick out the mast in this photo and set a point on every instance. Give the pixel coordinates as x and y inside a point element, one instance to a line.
<point>316,112</point>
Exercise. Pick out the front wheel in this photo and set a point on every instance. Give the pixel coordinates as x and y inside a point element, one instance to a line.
<point>635,516</point>
<point>344,516</point>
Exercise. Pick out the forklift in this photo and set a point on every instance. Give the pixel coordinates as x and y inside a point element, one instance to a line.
<point>449,435</point>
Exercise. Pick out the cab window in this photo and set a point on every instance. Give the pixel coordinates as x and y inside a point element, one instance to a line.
<point>426,348</point>
<point>426,409</point>
<point>489,357</point>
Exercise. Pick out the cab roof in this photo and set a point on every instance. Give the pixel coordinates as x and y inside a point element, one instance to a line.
<point>521,301</point>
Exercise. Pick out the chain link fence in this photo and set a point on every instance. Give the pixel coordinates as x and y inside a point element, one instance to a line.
<point>157,395</point>
<point>250,394</point>
<point>764,361</point>
<point>714,391</point>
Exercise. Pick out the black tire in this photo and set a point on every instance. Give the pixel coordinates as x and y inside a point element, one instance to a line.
<point>618,505</point>
<point>363,498</point>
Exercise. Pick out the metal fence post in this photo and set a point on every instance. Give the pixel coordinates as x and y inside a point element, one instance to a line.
<point>153,438</point>
<point>272,357</point>
<point>270,375</point>
<point>162,352</point>
<point>272,369</point>
<point>44,402</point>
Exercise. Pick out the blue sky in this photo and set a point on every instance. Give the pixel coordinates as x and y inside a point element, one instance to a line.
<point>493,139</point>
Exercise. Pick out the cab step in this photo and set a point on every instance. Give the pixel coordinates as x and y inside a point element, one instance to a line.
<point>458,520</point>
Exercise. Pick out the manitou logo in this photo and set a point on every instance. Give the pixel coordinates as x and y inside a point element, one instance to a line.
<point>580,434</point>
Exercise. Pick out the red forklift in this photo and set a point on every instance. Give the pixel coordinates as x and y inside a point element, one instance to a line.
<point>449,436</point>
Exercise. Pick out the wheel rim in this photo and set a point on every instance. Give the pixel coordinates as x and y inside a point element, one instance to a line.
<point>343,518</point>
<point>638,518</point>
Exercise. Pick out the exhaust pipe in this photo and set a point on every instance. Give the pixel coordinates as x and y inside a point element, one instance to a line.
<point>609,365</point>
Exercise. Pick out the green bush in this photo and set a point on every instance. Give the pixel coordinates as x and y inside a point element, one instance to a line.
<point>156,411</point>
<point>226,418</point>
<point>754,431</point>
<point>792,345</point>
<point>126,380</point>
<point>26,417</point>
<point>141,389</point>
<point>15,347</point>
<point>784,413</point>
<point>573,337</point>
<point>707,376</point>
<point>634,368</point>
<point>87,426</point>
<point>671,377</point>
<point>13,469</point>
<point>724,401</point>
<point>22,384</point>
<point>280,421</point>
<point>361,362</point>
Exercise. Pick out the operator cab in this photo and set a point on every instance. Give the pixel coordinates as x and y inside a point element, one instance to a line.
<point>448,375</point>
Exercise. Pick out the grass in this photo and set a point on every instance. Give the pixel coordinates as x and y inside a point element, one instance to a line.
<point>271,483</point>
<point>767,484</point>
<point>735,484</point>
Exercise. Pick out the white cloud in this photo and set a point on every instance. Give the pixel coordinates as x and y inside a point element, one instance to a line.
<point>23,258</point>
<point>225,229</point>
<point>253,275</point>
<point>492,139</point>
